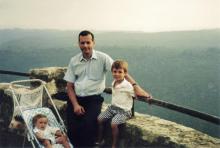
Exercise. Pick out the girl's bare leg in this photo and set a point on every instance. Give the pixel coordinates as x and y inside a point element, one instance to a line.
<point>115,132</point>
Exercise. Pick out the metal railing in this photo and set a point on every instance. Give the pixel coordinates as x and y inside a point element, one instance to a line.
<point>14,73</point>
<point>153,101</point>
<point>171,106</point>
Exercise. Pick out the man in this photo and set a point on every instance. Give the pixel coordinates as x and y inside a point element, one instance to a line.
<point>85,78</point>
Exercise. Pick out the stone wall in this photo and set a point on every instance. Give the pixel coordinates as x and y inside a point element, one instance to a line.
<point>140,131</point>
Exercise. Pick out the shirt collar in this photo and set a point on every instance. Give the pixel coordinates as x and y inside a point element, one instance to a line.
<point>119,85</point>
<point>94,56</point>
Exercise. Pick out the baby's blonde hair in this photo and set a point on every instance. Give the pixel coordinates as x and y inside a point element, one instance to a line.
<point>36,117</point>
<point>120,64</point>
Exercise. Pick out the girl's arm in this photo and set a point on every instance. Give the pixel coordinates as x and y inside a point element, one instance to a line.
<point>39,135</point>
<point>137,89</point>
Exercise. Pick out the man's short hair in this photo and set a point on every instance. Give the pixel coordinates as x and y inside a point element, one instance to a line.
<point>85,33</point>
<point>120,64</point>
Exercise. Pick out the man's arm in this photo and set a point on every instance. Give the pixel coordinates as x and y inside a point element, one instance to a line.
<point>78,109</point>
<point>137,89</point>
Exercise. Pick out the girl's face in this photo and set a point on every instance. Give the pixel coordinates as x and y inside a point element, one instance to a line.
<point>41,123</point>
<point>118,74</point>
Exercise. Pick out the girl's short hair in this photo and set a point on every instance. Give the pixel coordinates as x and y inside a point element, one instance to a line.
<point>120,64</point>
<point>36,117</point>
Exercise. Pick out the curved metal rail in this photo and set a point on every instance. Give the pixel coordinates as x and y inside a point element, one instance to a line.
<point>164,104</point>
<point>191,112</point>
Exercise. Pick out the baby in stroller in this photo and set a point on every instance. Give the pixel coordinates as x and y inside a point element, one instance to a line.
<point>46,134</point>
<point>31,97</point>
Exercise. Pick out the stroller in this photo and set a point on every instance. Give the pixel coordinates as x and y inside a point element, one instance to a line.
<point>31,98</point>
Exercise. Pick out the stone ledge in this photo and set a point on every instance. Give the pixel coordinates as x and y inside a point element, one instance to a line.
<point>150,131</point>
<point>48,73</point>
<point>167,133</point>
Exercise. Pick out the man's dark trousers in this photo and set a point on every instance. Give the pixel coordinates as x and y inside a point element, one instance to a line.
<point>82,130</point>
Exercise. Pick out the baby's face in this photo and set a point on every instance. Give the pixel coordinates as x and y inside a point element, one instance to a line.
<point>41,123</point>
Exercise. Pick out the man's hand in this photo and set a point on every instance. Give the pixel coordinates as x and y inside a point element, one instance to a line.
<point>78,109</point>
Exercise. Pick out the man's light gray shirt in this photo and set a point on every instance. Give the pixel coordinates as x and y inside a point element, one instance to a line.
<point>88,76</point>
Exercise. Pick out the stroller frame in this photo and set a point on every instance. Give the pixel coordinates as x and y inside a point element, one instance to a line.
<point>17,103</point>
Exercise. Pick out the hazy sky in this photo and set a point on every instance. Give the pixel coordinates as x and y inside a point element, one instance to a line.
<point>132,15</point>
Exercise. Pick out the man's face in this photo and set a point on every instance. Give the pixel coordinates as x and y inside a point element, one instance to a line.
<point>41,123</point>
<point>86,45</point>
<point>118,74</point>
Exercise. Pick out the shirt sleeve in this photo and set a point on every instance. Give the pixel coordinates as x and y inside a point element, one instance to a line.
<point>69,75</point>
<point>128,88</point>
<point>130,91</point>
<point>108,63</point>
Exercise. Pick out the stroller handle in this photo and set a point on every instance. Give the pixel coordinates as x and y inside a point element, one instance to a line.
<point>30,80</point>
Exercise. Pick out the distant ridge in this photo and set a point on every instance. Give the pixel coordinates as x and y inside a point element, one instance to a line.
<point>59,38</point>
